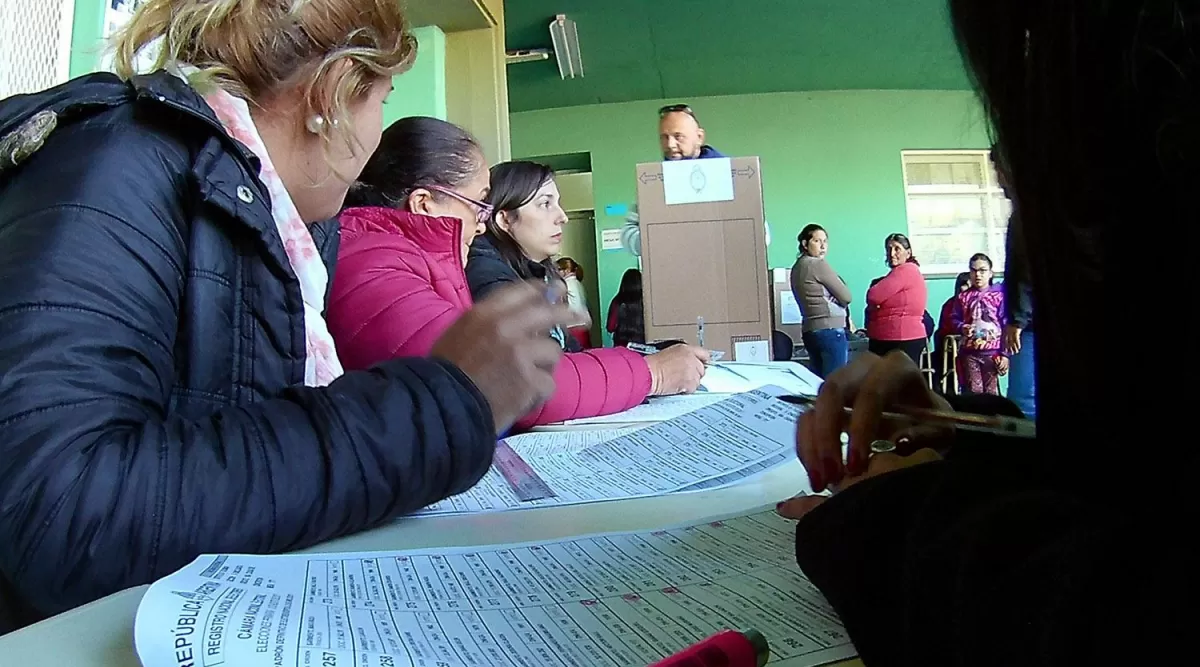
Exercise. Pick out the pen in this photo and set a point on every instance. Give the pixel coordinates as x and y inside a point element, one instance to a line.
<point>1004,426</point>
<point>728,648</point>
<point>700,331</point>
<point>646,350</point>
<point>641,348</point>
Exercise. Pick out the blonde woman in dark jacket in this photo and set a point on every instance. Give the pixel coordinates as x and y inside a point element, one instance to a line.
<point>169,386</point>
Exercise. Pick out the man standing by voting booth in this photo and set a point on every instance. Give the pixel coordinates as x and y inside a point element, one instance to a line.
<point>704,255</point>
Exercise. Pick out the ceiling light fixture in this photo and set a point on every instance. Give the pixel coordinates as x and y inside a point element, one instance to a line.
<point>565,37</point>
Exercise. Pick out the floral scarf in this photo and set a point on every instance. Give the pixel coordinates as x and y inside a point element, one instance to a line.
<point>321,364</point>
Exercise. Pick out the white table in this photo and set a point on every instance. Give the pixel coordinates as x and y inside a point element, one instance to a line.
<point>101,634</point>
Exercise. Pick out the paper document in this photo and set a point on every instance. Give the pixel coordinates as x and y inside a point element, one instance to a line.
<point>655,409</point>
<point>728,440</point>
<point>789,309</point>
<point>697,181</point>
<point>732,378</point>
<point>615,600</point>
<point>541,443</point>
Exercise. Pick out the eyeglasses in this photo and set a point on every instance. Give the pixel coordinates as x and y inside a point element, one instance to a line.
<point>483,212</point>
<point>676,108</point>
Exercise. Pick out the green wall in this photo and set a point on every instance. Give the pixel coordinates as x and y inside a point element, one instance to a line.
<point>419,92</point>
<point>827,157</point>
<point>86,43</point>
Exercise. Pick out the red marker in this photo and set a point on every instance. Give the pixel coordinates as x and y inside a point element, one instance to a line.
<point>728,648</point>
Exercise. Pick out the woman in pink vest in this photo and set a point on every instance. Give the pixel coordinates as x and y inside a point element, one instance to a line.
<point>896,304</point>
<point>401,279</point>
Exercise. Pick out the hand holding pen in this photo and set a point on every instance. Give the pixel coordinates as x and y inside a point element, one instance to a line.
<point>877,390</point>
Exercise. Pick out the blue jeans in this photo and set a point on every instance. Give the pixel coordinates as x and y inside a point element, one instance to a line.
<point>828,349</point>
<point>1021,384</point>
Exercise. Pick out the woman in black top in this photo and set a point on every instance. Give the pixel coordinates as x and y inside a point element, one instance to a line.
<point>1074,548</point>
<point>625,320</point>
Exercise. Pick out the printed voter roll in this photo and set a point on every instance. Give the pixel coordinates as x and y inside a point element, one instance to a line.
<point>724,442</point>
<point>611,600</point>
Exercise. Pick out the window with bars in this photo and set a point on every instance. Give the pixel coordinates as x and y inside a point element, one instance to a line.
<point>955,209</point>
<point>35,51</point>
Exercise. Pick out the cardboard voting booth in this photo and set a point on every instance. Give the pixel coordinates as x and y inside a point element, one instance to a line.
<point>704,255</point>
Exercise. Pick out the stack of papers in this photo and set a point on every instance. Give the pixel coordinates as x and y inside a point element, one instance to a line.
<point>721,380</point>
<point>733,378</point>
<point>728,441</point>
<point>614,600</point>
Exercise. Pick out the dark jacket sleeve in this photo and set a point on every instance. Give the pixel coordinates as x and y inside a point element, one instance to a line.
<point>981,559</point>
<point>101,486</point>
<point>488,272</point>
<point>1018,290</point>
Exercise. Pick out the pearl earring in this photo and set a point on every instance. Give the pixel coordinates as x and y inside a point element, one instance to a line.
<point>314,123</point>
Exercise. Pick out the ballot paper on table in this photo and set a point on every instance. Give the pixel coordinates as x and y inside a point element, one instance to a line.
<point>655,409</point>
<point>717,445</point>
<point>606,600</point>
<point>720,381</point>
<point>732,378</point>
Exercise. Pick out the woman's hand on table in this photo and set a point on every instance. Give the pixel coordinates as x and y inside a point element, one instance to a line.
<point>871,385</point>
<point>677,370</point>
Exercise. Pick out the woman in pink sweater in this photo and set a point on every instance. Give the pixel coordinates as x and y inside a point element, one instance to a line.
<point>401,279</point>
<point>896,303</point>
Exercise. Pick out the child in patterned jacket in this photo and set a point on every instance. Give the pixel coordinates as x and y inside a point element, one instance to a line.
<point>979,317</point>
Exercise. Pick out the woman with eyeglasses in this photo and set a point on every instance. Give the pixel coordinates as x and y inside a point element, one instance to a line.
<point>409,222</point>
<point>522,239</point>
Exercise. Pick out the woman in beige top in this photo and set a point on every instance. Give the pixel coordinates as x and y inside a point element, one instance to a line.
<point>823,297</point>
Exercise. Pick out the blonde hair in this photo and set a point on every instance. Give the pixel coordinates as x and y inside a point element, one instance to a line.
<point>256,48</point>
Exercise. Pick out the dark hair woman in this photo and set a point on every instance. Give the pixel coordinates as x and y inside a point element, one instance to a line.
<point>1014,551</point>
<point>410,221</point>
<point>896,303</point>
<point>823,297</point>
<point>521,240</point>
<point>626,322</point>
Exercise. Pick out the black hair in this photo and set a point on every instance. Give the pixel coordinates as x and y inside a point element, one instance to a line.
<point>629,310</point>
<point>415,152</point>
<point>1094,107</point>
<point>514,184</point>
<point>903,241</point>
<point>982,256</point>
<point>962,281</point>
<point>631,287</point>
<point>807,233</point>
